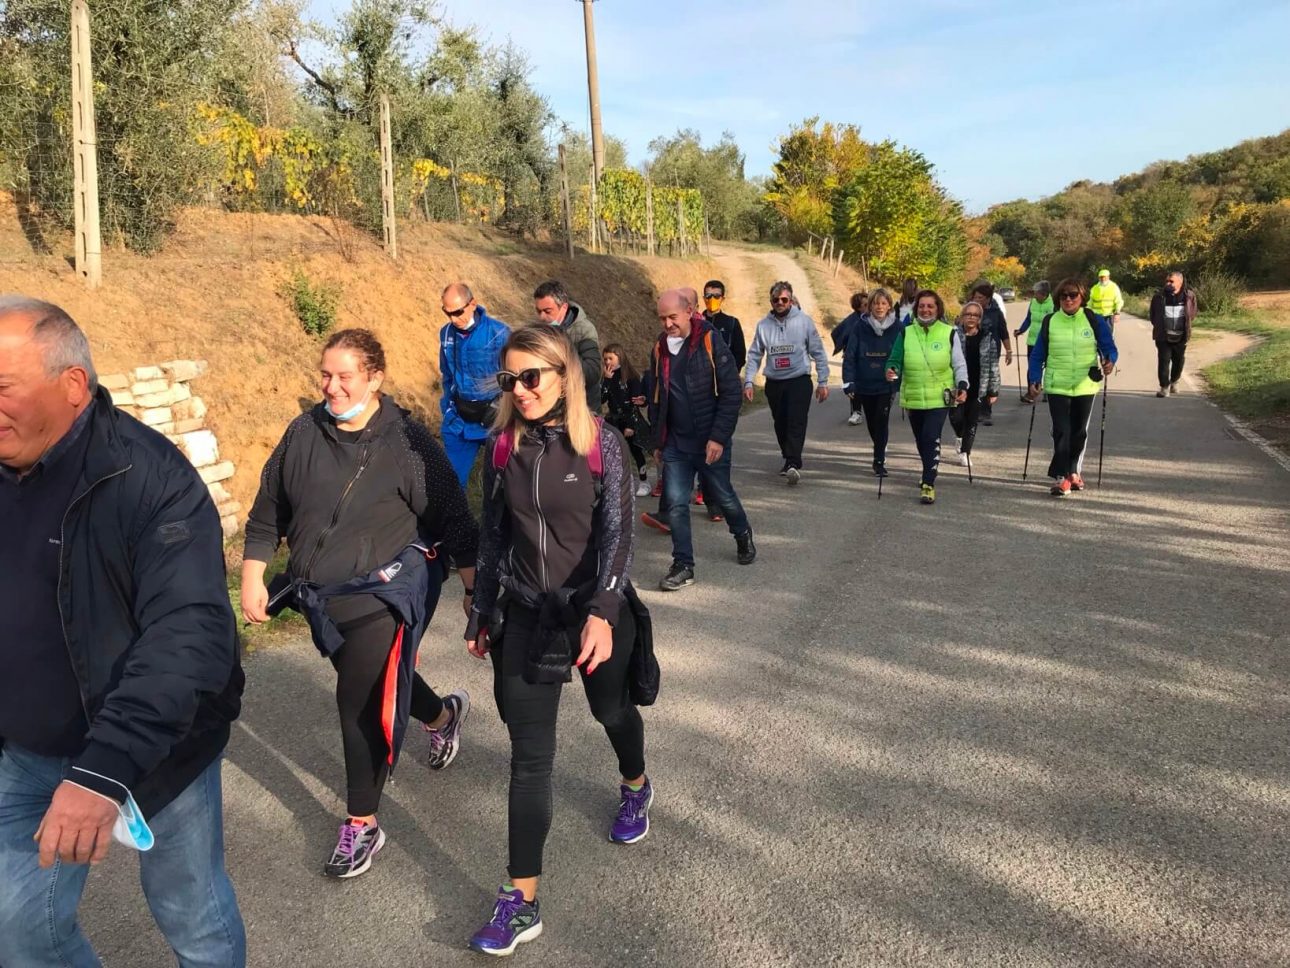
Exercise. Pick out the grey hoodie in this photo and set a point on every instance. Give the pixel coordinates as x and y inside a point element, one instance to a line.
<point>788,345</point>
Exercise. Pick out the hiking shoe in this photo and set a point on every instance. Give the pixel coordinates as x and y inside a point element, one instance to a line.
<point>632,822</point>
<point>643,489</point>
<point>1061,487</point>
<point>658,524</point>
<point>514,922</point>
<point>355,848</point>
<point>1162,392</point>
<point>677,578</point>
<point>1173,387</point>
<point>879,468</point>
<point>657,489</point>
<point>445,740</point>
<point>927,494</point>
<point>794,476</point>
<point>1077,482</point>
<point>745,550</point>
<point>855,419</point>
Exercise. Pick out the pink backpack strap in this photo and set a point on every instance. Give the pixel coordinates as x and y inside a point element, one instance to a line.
<point>502,448</point>
<point>595,459</point>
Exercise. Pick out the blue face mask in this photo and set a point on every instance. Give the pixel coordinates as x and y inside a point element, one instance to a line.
<point>352,412</point>
<point>130,827</point>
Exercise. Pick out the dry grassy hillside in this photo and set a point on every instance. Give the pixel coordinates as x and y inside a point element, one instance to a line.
<point>215,292</point>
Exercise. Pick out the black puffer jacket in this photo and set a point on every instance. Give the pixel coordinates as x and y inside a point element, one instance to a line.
<point>347,507</point>
<point>711,378</point>
<point>146,614</point>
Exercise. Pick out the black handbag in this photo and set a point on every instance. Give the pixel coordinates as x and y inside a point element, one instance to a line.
<point>643,673</point>
<point>476,411</point>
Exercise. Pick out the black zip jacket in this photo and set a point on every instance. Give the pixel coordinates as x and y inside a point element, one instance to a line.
<point>545,527</point>
<point>347,507</point>
<point>711,380</point>
<point>144,602</point>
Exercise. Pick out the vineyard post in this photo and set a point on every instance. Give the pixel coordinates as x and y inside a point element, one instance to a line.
<point>568,210</point>
<point>864,270</point>
<point>387,183</point>
<point>456,195</point>
<point>649,217</point>
<point>707,236</point>
<point>680,226</point>
<point>89,242</point>
<point>838,268</point>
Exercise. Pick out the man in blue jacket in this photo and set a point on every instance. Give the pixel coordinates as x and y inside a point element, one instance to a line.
<point>120,654</point>
<point>694,406</point>
<point>470,348</point>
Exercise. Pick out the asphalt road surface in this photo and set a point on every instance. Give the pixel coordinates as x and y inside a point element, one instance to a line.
<point>1003,730</point>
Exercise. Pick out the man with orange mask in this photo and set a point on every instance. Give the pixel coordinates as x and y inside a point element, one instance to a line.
<point>729,327</point>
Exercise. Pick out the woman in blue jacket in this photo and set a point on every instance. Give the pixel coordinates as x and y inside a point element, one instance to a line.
<point>864,365</point>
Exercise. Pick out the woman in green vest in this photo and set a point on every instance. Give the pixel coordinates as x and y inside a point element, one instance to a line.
<point>1073,353</point>
<point>928,355</point>
<point>1041,304</point>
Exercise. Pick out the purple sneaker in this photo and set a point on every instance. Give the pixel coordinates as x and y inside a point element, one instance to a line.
<point>514,922</point>
<point>632,822</point>
<point>445,742</point>
<point>355,848</point>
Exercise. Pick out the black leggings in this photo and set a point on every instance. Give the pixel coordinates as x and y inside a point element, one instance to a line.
<point>1070,432</point>
<point>964,417</point>
<point>927,426</point>
<point>530,715</point>
<point>360,667</point>
<point>877,416</point>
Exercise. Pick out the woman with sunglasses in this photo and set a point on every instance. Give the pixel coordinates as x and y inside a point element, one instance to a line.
<point>865,358</point>
<point>982,356</point>
<point>356,486</point>
<point>1074,352</point>
<point>555,548</point>
<point>928,360</point>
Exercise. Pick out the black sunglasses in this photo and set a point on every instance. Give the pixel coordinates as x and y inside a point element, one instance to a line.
<point>456,313</point>
<point>714,295</point>
<point>530,378</point>
<point>1068,295</point>
<point>782,299</point>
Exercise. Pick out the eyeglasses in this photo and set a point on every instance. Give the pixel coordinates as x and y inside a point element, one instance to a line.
<point>714,295</point>
<point>1068,295</point>
<point>530,378</point>
<point>456,313</point>
<point>782,300</point>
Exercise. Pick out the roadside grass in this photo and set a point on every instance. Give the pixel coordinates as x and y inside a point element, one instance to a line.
<point>1256,384</point>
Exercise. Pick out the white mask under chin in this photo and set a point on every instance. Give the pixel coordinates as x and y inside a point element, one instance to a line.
<point>674,344</point>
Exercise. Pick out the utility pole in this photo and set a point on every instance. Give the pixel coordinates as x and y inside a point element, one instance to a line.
<point>89,239</point>
<point>387,182</point>
<point>593,91</point>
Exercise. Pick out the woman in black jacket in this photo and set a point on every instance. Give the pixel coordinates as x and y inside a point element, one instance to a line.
<point>555,549</point>
<point>355,486</point>
<point>623,396</point>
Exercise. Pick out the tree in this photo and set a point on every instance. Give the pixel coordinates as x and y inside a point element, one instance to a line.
<point>717,172</point>
<point>812,165</point>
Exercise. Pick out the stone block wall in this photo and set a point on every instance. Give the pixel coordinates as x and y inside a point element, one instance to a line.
<point>160,396</point>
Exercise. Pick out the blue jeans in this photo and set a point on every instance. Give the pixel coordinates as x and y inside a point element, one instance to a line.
<point>679,471</point>
<point>188,892</point>
<point>461,451</point>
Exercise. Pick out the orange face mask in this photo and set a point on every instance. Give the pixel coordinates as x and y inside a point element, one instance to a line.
<point>713,303</point>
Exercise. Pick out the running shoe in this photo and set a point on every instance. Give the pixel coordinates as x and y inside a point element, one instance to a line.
<point>655,522</point>
<point>783,471</point>
<point>927,494</point>
<point>715,516</point>
<point>880,468</point>
<point>1162,392</point>
<point>1173,387</point>
<point>1061,487</point>
<point>632,823</point>
<point>963,459</point>
<point>357,845</point>
<point>794,476</point>
<point>698,497</point>
<point>657,489</point>
<point>745,550</point>
<point>514,922</point>
<point>988,421</point>
<point>643,489</point>
<point>678,577</point>
<point>1077,482</point>
<point>445,741</point>
<point>855,419</point>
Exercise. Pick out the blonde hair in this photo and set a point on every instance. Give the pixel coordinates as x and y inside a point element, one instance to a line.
<point>554,348</point>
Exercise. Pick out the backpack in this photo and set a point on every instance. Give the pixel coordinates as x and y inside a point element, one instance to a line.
<point>504,446</point>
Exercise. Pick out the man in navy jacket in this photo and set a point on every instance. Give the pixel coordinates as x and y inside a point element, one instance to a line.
<point>120,654</point>
<point>694,406</point>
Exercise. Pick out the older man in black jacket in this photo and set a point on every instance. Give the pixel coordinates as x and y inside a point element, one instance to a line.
<point>120,654</point>
<point>694,406</point>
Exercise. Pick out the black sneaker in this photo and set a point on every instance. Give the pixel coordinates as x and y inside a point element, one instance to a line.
<point>355,848</point>
<point>445,742</point>
<point>783,471</point>
<point>880,468</point>
<point>745,549</point>
<point>676,579</point>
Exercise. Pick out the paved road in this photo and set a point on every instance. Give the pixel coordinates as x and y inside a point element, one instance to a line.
<point>1004,730</point>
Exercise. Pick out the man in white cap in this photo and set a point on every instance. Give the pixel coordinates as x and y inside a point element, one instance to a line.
<point>1105,298</point>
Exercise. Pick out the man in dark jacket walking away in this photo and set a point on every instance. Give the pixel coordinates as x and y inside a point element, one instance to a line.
<point>553,306</point>
<point>120,654</point>
<point>1173,310</point>
<point>731,330</point>
<point>694,407</point>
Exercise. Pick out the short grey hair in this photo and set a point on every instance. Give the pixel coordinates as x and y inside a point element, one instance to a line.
<point>780,288</point>
<point>63,342</point>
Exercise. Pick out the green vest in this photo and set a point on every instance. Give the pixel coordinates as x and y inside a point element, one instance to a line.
<point>1102,299</point>
<point>928,366</point>
<point>1072,350</point>
<point>1038,310</point>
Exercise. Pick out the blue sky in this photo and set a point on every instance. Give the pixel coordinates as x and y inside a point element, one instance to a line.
<point>1009,99</point>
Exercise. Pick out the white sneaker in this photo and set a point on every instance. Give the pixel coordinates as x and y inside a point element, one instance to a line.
<point>958,445</point>
<point>794,476</point>
<point>643,489</point>
<point>963,459</point>
<point>855,418</point>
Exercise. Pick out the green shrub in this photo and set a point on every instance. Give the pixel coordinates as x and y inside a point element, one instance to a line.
<point>313,303</point>
<point>1218,291</point>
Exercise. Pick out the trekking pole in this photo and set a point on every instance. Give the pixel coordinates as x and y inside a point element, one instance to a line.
<point>1101,443</point>
<point>1020,386</point>
<point>1025,470</point>
<point>969,466</point>
<point>879,488</point>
